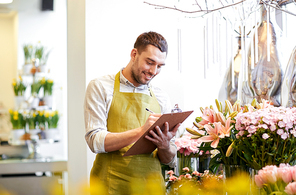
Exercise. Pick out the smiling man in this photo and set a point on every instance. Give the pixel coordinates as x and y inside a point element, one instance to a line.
<point>115,117</point>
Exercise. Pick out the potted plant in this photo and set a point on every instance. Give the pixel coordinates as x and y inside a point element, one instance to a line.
<point>35,89</point>
<point>52,119</point>
<point>28,52</point>
<point>19,89</point>
<point>41,55</point>
<point>47,87</point>
<point>18,125</point>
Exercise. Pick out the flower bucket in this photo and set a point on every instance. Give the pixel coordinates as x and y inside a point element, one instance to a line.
<point>51,134</point>
<point>15,136</point>
<point>48,100</point>
<point>27,69</point>
<point>35,103</point>
<point>43,68</point>
<point>18,101</point>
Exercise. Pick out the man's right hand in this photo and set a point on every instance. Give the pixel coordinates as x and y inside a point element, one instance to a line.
<point>153,117</point>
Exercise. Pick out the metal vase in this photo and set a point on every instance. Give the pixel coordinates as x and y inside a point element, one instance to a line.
<point>288,89</point>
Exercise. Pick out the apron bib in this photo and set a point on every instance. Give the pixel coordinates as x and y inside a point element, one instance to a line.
<point>126,175</point>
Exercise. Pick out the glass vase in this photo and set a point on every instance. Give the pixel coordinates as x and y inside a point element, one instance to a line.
<point>232,170</point>
<point>186,161</point>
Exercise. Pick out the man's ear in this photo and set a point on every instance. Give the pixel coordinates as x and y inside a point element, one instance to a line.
<point>134,53</point>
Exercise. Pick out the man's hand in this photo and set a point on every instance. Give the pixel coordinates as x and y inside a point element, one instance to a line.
<point>150,121</point>
<point>162,138</point>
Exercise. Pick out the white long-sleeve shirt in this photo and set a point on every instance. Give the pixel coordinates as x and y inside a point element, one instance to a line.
<point>97,103</point>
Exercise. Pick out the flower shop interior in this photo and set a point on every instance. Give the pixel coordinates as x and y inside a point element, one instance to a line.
<point>219,65</point>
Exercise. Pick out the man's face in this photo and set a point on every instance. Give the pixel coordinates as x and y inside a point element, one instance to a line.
<point>147,65</point>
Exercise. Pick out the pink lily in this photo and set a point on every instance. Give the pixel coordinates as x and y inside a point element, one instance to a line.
<point>214,134</point>
<point>226,129</point>
<point>209,116</point>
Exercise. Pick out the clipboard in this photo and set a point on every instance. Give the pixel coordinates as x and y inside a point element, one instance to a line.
<point>143,145</point>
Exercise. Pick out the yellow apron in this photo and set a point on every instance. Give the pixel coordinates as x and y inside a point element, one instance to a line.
<point>127,175</point>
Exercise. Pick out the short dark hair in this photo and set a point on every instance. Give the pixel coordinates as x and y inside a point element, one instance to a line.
<point>151,38</point>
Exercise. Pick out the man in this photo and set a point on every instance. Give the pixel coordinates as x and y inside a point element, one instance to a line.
<point>116,116</point>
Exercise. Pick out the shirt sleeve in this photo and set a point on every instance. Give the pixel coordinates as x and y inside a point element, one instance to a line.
<point>95,116</point>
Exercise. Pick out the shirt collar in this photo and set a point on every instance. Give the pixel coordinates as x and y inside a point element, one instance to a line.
<point>127,82</point>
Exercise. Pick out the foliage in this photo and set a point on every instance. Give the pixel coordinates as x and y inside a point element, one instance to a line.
<point>19,87</point>
<point>17,119</point>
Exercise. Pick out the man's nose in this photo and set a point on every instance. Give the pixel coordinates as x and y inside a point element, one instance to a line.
<point>153,70</point>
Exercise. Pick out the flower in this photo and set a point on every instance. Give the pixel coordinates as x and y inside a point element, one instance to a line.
<point>19,87</point>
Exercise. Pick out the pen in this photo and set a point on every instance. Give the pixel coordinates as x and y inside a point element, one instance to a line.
<point>149,110</point>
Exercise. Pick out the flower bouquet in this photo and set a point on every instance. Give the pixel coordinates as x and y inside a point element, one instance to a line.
<point>187,149</point>
<point>215,130</point>
<point>267,135</point>
<point>279,180</point>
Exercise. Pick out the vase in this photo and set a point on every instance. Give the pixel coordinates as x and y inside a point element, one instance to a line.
<point>186,161</point>
<point>232,170</point>
<point>18,101</point>
<point>288,89</point>
<point>203,163</point>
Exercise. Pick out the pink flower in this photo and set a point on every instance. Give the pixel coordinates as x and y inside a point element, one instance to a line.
<point>209,116</point>
<point>214,134</point>
<point>284,136</point>
<point>258,181</point>
<point>291,188</point>
<point>188,176</point>
<point>173,178</point>
<point>280,132</point>
<point>186,169</point>
<point>265,136</point>
<point>170,172</point>
<point>196,173</point>
<point>226,129</point>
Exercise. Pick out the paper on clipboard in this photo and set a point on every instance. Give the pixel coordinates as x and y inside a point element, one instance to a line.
<point>143,145</point>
